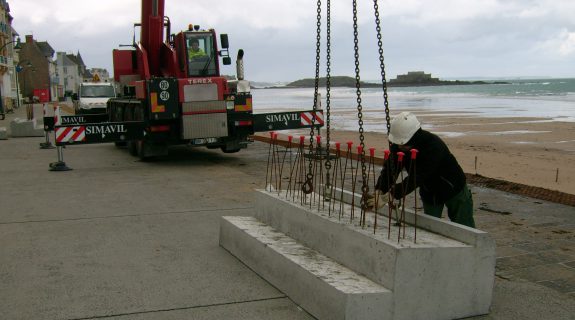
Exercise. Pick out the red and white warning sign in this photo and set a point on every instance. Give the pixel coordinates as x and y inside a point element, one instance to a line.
<point>306,118</point>
<point>70,134</point>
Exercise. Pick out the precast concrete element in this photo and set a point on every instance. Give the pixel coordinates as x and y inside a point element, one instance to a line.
<point>3,133</point>
<point>320,285</point>
<point>447,274</point>
<point>25,128</point>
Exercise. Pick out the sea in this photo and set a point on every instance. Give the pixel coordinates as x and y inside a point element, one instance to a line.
<point>544,99</point>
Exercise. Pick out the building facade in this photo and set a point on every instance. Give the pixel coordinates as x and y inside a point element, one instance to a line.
<point>8,58</point>
<point>69,74</point>
<point>40,78</point>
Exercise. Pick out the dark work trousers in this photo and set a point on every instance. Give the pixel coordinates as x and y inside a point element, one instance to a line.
<point>459,208</point>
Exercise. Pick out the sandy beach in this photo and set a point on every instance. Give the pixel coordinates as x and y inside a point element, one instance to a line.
<point>522,150</point>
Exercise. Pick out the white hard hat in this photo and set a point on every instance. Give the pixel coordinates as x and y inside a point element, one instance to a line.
<point>403,127</point>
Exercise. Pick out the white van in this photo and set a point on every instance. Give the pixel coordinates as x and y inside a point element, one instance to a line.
<point>93,96</point>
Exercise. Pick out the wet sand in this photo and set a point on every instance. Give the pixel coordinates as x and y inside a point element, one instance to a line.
<point>522,150</point>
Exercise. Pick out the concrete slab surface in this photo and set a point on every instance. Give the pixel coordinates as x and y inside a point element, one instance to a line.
<point>117,238</point>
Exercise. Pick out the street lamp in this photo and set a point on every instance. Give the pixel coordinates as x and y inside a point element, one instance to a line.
<point>17,46</point>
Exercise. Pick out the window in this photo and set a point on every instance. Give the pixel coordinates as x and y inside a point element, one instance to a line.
<point>201,55</point>
<point>96,91</point>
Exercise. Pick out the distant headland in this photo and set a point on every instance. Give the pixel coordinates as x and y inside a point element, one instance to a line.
<point>411,79</point>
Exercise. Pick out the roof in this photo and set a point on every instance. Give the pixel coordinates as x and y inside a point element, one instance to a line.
<point>79,57</point>
<point>66,60</point>
<point>5,5</point>
<point>74,59</point>
<point>46,49</point>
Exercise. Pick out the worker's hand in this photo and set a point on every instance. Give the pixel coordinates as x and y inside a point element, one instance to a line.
<point>377,198</point>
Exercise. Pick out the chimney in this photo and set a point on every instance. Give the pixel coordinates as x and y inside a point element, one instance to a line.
<point>29,38</point>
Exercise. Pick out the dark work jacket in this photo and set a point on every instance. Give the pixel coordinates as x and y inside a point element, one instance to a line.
<point>436,171</point>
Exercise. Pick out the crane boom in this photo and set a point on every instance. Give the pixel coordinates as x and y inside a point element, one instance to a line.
<point>151,36</point>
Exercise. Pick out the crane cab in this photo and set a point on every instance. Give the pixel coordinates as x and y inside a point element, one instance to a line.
<point>198,53</point>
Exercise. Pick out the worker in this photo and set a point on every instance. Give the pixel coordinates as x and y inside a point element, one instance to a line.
<point>440,179</point>
<point>195,51</point>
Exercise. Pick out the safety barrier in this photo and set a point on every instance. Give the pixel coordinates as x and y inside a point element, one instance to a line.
<point>89,129</point>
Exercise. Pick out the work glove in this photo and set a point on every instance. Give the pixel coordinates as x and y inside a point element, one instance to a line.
<point>379,198</point>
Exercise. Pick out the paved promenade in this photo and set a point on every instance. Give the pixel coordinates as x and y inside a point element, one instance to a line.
<point>117,238</point>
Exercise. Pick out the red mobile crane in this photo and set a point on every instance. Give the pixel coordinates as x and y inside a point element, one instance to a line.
<point>174,93</point>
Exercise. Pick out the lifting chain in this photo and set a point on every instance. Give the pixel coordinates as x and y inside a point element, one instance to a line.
<point>384,85</point>
<point>307,187</point>
<point>364,187</point>
<point>382,65</point>
<point>328,93</point>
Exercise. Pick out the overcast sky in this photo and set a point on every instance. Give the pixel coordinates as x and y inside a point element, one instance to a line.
<point>448,38</point>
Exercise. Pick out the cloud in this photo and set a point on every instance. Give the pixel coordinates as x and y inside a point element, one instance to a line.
<point>561,45</point>
<point>567,46</point>
<point>448,37</point>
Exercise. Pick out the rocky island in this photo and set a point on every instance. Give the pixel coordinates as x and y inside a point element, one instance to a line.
<point>411,79</point>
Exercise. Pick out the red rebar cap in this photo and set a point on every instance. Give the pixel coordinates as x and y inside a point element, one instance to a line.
<point>271,134</point>
<point>318,138</point>
<point>301,139</point>
<point>372,152</point>
<point>359,149</point>
<point>337,146</point>
<point>349,144</point>
<point>386,154</point>
<point>414,153</point>
<point>275,136</point>
<point>400,156</point>
<point>290,138</point>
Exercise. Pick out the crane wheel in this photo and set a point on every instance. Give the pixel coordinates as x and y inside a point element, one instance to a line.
<point>133,148</point>
<point>227,150</point>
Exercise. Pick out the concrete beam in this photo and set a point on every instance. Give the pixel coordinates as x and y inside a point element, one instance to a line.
<point>25,128</point>
<point>447,274</point>
<point>323,287</point>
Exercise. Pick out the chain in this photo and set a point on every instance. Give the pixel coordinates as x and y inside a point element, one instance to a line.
<point>382,65</point>
<point>384,85</point>
<point>307,187</point>
<point>364,187</point>
<point>328,91</point>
